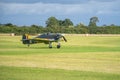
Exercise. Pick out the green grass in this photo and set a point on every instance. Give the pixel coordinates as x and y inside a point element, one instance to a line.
<point>81,58</point>
<point>15,73</point>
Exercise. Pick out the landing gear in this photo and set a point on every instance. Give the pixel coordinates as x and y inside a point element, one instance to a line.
<point>58,46</point>
<point>50,45</point>
<point>28,45</point>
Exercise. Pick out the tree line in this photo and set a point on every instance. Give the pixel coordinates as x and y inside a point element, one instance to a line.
<point>61,26</point>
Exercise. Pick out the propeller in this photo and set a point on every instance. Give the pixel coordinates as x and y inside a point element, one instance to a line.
<point>60,36</point>
<point>64,39</point>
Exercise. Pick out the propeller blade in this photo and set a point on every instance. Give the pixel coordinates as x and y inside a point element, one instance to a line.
<point>64,39</point>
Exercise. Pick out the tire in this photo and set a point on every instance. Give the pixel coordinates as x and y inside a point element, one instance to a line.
<point>58,46</point>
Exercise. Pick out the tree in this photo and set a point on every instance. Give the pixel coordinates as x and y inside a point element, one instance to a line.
<point>67,23</point>
<point>9,24</point>
<point>92,25</point>
<point>52,22</point>
<point>81,28</point>
<point>93,21</point>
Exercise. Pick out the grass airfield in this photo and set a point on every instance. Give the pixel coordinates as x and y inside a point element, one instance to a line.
<point>81,58</point>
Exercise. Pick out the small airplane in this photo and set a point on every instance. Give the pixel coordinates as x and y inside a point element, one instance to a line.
<point>46,38</point>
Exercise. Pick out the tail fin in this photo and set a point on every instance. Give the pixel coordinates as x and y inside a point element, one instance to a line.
<point>25,39</point>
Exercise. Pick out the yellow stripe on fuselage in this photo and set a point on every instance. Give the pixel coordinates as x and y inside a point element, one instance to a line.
<point>41,39</point>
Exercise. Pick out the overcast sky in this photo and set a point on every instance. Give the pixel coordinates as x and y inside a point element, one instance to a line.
<point>28,12</point>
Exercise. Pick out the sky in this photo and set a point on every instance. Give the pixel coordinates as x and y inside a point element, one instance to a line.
<point>29,12</point>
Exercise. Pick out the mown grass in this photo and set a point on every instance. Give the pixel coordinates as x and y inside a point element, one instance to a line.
<point>15,73</point>
<point>81,58</point>
<point>75,44</point>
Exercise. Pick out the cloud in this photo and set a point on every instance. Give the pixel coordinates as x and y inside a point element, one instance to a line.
<point>53,1</point>
<point>90,7</point>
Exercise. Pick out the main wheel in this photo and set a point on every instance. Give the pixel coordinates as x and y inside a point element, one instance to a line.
<point>28,45</point>
<point>50,46</point>
<point>58,46</point>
